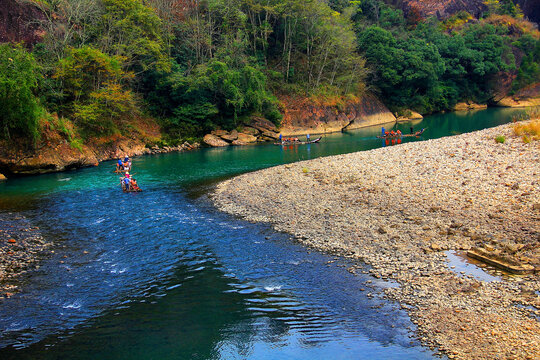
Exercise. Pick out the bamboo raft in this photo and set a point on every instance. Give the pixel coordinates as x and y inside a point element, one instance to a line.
<point>287,142</point>
<point>418,133</point>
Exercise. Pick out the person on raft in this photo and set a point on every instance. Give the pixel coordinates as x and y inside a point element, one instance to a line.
<point>134,185</point>
<point>127,163</point>
<point>127,182</point>
<point>119,165</point>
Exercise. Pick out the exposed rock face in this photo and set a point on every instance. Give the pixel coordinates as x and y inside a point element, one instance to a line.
<point>529,96</point>
<point>18,22</point>
<point>302,116</point>
<point>214,140</point>
<point>442,9</point>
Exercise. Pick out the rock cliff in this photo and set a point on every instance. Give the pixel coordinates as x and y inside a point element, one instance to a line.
<point>302,116</point>
<point>19,22</point>
<point>442,9</point>
<point>439,8</point>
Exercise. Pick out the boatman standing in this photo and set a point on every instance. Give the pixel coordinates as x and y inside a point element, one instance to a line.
<point>307,138</point>
<point>383,131</point>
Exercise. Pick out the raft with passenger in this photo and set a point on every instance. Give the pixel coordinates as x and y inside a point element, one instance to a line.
<point>130,188</point>
<point>399,135</point>
<point>129,184</point>
<point>295,141</point>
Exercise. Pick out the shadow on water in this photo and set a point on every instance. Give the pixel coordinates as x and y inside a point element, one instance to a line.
<point>160,274</point>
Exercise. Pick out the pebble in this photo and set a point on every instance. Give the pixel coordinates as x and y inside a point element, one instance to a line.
<point>17,255</point>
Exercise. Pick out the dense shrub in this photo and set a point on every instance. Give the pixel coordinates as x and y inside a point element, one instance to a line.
<point>19,77</point>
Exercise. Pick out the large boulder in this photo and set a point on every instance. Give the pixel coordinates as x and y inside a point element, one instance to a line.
<point>220,132</point>
<point>233,135</point>
<point>2,177</point>
<point>409,115</point>
<point>251,131</point>
<point>262,124</point>
<point>214,140</point>
<point>246,138</point>
<point>270,134</point>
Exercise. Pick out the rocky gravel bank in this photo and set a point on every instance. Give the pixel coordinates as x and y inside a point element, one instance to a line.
<point>21,246</point>
<point>401,209</point>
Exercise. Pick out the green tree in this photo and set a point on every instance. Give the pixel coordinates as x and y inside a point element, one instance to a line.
<point>131,29</point>
<point>93,85</point>
<point>19,77</point>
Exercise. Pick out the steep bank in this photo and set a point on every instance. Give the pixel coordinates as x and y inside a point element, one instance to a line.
<point>56,151</point>
<point>526,97</point>
<point>311,116</point>
<point>449,194</point>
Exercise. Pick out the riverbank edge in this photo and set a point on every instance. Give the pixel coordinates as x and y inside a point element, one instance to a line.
<point>62,157</point>
<point>59,156</point>
<point>406,240</point>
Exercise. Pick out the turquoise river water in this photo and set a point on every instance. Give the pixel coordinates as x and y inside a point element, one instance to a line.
<point>162,275</point>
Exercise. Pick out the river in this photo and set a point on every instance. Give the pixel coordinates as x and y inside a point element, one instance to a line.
<point>162,275</point>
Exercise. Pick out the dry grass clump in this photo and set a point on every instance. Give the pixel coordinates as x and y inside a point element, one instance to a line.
<point>529,131</point>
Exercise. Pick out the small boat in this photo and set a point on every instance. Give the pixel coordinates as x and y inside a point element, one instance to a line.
<point>121,171</point>
<point>288,142</point>
<point>418,133</point>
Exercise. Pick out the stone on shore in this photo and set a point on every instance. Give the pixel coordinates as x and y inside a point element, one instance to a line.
<point>271,135</point>
<point>409,115</point>
<point>233,135</point>
<point>214,140</point>
<point>250,131</point>
<point>465,106</point>
<point>245,138</point>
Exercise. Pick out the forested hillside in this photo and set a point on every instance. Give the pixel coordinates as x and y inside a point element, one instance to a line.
<point>102,68</point>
